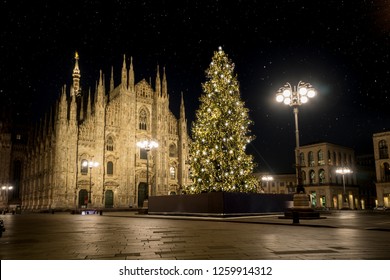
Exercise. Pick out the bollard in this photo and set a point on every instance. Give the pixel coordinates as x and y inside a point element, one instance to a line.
<point>2,228</point>
<point>295,217</point>
<point>101,212</point>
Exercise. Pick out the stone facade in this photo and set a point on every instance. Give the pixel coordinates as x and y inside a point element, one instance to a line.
<point>382,167</point>
<point>319,163</point>
<point>105,127</point>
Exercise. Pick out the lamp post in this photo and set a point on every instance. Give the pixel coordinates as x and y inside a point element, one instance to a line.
<point>266,179</point>
<point>147,145</point>
<point>7,189</point>
<point>295,97</point>
<point>90,165</point>
<point>343,171</point>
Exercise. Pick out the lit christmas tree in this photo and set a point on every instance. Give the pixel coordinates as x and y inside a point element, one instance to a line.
<point>220,134</point>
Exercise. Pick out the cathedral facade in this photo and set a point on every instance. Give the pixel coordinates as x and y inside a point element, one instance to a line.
<point>85,152</point>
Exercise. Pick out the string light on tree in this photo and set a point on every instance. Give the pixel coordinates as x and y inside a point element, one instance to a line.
<point>221,133</point>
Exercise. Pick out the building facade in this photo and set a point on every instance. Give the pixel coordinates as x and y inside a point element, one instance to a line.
<point>382,168</point>
<point>276,183</point>
<point>326,188</point>
<point>104,127</point>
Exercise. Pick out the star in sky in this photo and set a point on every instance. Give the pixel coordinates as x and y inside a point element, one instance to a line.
<point>340,47</point>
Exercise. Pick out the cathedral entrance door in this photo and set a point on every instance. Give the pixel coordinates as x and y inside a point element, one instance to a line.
<point>109,199</point>
<point>83,197</point>
<point>142,193</point>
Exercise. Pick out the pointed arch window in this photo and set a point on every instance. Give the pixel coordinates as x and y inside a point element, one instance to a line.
<point>84,167</point>
<point>143,120</point>
<point>110,168</point>
<point>110,144</point>
<point>172,150</point>
<point>383,151</point>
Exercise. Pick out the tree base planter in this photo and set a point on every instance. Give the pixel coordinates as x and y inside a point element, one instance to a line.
<point>219,204</point>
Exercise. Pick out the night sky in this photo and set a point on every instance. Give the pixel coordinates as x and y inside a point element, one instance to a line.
<point>341,48</point>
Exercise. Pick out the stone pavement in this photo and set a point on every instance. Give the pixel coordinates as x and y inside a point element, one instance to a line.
<point>127,235</point>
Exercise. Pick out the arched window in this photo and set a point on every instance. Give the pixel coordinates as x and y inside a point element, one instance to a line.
<point>302,159</point>
<point>304,177</point>
<point>320,155</point>
<point>110,144</point>
<point>143,120</point>
<point>329,158</point>
<point>110,168</point>
<point>143,154</point>
<point>334,158</point>
<point>311,159</point>
<point>172,150</point>
<point>312,178</point>
<point>84,166</point>
<point>172,172</point>
<point>383,151</point>
<point>321,176</point>
<point>386,172</point>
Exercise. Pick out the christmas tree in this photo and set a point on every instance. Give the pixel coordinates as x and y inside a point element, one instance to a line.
<point>220,134</point>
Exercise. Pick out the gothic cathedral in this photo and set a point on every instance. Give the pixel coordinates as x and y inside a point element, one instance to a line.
<point>85,152</point>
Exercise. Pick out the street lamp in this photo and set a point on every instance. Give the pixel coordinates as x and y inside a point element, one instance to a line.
<point>266,179</point>
<point>147,145</point>
<point>90,164</point>
<point>7,189</point>
<point>294,97</point>
<point>343,171</point>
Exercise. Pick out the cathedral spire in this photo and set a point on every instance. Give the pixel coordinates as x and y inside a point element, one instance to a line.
<point>89,104</point>
<point>158,82</point>
<point>100,90</point>
<point>76,76</point>
<point>63,105</point>
<point>112,79</point>
<point>131,75</point>
<point>124,73</point>
<point>164,85</point>
<point>73,110</point>
<point>182,108</point>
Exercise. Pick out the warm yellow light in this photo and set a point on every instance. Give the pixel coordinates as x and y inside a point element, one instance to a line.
<point>304,99</point>
<point>344,171</point>
<point>279,98</point>
<point>286,93</point>
<point>302,91</point>
<point>287,101</point>
<point>311,93</point>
